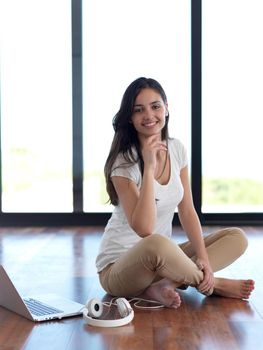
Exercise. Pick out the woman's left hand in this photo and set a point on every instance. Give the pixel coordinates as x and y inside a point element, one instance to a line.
<point>207,285</point>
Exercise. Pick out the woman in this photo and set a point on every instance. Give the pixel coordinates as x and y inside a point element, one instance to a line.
<point>147,178</point>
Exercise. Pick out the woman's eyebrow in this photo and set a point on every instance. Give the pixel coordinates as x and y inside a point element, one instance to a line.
<point>151,103</point>
<point>155,102</point>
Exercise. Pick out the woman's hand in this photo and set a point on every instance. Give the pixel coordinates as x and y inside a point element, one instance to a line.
<point>207,285</point>
<point>151,146</point>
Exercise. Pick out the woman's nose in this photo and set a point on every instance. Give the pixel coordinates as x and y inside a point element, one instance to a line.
<point>147,113</point>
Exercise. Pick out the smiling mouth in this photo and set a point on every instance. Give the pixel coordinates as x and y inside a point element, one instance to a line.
<point>149,125</point>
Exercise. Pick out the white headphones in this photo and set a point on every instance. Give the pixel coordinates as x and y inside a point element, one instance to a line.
<point>94,309</point>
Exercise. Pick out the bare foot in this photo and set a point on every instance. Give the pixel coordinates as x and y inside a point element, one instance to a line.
<point>240,289</point>
<point>164,292</point>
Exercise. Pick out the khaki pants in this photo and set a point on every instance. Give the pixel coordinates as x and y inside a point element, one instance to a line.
<point>156,257</point>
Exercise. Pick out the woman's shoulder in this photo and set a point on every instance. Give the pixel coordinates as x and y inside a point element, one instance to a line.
<point>178,149</point>
<point>126,167</point>
<point>175,143</point>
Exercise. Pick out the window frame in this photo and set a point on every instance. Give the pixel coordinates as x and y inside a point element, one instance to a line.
<point>78,216</point>
<point>206,218</point>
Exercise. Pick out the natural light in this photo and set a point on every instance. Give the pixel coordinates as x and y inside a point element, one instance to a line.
<point>232,108</point>
<point>139,38</point>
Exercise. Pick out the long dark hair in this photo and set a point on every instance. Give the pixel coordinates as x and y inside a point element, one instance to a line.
<point>125,138</point>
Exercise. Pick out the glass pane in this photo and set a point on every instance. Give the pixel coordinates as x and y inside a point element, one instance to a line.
<point>232,106</point>
<point>121,42</point>
<point>36,114</point>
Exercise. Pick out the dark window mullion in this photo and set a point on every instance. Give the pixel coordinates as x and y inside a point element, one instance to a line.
<point>196,176</point>
<point>77,106</point>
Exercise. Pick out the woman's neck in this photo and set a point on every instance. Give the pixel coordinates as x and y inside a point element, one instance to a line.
<point>144,138</point>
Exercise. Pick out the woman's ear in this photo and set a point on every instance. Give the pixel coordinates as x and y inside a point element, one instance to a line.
<point>166,110</point>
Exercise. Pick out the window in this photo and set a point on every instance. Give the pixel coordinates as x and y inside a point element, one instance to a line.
<point>139,38</point>
<point>44,141</point>
<point>36,116</point>
<point>232,108</point>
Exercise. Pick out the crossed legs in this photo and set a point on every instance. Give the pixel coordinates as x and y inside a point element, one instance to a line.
<point>156,266</point>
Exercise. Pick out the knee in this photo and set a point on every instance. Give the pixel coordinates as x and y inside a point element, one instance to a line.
<point>241,240</point>
<point>156,243</point>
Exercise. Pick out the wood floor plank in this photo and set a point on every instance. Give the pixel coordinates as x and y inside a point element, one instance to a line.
<point>62,260</point>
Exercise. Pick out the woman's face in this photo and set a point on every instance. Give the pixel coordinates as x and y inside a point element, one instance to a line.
<point>149,113</point>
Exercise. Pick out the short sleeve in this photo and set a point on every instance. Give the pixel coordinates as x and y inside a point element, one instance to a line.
<point>180,153</point>
<point>124,169</point>
<point>183,156</point>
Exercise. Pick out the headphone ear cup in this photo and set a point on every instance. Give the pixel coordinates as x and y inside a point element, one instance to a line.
<point>124,307</point>
<point>94,307</point>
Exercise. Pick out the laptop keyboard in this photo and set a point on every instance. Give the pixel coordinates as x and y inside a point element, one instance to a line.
<point>39,309</point>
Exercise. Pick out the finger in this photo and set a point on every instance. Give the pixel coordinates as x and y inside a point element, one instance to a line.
<point>209,286</point>
<point>200,266</point>
<point>206,289</point>
<point>207,282</point>
<point>203,285</point>
<point>161,145</point>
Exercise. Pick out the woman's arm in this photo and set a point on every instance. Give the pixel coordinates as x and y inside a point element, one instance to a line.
<point>189,218</point>
<point>139,204</point>
<point>191,225</point>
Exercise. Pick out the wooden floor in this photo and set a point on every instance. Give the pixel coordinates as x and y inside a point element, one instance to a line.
<point>61,260</point>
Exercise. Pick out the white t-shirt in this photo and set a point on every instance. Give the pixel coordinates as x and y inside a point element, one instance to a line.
<point>118,236</point>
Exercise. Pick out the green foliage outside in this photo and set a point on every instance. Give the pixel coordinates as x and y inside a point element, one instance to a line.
<point>22,167</point>
<point>232,191</point>
<point>218,191</point>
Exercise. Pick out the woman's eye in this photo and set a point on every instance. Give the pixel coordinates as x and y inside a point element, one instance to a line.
<point>137,110</point>
<point>156,106</point>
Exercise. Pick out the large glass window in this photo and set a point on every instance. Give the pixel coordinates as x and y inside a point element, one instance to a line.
<point>123,40</point>
<point>36,105</point>
<point>232,107</point>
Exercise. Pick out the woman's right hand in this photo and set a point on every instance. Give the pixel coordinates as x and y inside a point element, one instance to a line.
<point>150,148</point>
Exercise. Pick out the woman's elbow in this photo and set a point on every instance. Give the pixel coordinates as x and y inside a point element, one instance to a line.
<point>142,230</point>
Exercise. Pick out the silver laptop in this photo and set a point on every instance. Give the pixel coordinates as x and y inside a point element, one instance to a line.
<point>36,308</point>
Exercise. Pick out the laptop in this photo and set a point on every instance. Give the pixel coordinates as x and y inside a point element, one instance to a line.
<point>35,308</point>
